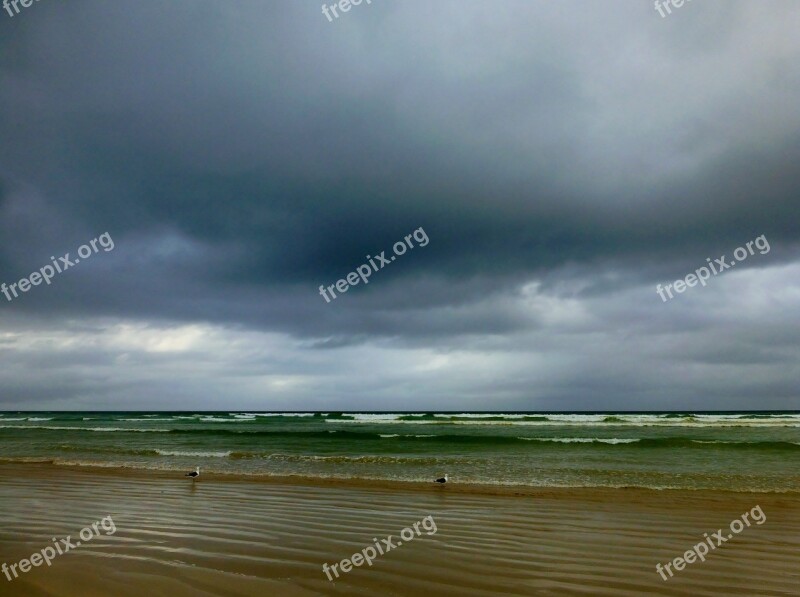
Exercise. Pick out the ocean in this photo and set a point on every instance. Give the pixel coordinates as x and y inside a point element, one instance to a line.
<point>741,452</point>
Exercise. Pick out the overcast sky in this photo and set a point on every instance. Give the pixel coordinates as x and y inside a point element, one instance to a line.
<point>563,157</point>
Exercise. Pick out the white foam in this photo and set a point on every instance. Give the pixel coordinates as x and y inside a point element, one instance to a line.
<point>581,440</point>
<point>141,420</point>
<point>373,418</point>
<point>63,428</point>
<point>194,454</point>
<point>583,420</point>
<point>220,420</point>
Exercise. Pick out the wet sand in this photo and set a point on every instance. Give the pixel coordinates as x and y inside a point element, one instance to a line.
<point>233,536</point>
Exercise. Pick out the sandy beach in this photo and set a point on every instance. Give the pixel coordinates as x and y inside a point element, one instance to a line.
<point>232,536</point>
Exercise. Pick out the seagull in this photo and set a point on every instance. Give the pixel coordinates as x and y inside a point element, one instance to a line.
<point>442,480</point>
<point>194,474</point>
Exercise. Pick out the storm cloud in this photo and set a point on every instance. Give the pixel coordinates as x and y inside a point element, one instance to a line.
<point>563,157</point>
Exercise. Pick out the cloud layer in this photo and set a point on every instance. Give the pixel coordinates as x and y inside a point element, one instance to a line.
<point>563,158</point>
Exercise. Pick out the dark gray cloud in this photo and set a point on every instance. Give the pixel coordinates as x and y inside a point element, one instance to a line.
<point>563,159</point>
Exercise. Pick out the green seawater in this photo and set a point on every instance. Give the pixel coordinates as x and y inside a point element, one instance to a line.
<point>732,451</point>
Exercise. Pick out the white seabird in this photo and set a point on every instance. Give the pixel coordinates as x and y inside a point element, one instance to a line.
<point>442,479</point>
<point>194,474</point>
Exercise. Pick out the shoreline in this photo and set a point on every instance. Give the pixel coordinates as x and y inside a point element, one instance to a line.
<point>414,487</point>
